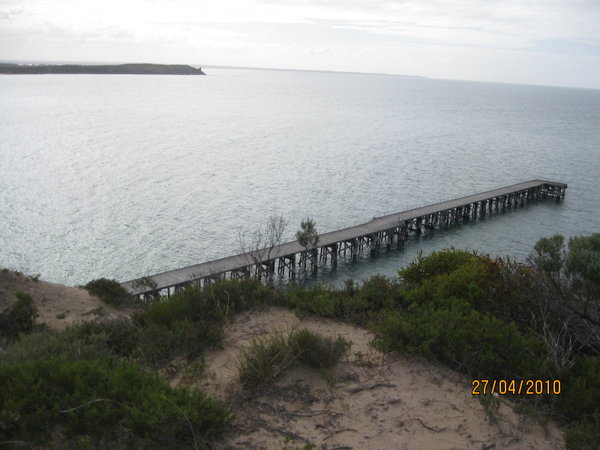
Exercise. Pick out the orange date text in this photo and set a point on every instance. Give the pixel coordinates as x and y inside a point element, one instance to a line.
<point>515,387</point>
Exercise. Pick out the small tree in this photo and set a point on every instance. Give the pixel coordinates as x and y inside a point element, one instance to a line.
<point>582,267</point>
<point>549,254</point>
<point>307,235</point>
<point>566,290</point>
<point>260,248</point>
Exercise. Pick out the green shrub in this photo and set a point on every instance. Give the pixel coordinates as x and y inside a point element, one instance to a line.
<point>490,285</point>
<point>466,281</point>
<point>160,343</point>
<point>580,398</point>
<point>378,292</point>
<point>214,303</point>
<point>497,318</point>
<point>264,360</point>
<point>18,318</point>
<point>232,296</point>
<point>316,350</point>
<point>455,308</point>
<point>168,311</point>
<point>109,291</point>
<point>572,275</point>
<point>583,434</point>
<point>268,357</point>
<point>120,336</point>
<point>152,344</point>
<point>549,254</point>
<point>465,339</point>
<point>311,300</point>
<point>187,323</point>
<point>437,263</point>
<point>354,303</point>
<point>103,402</point>
<point>52,343</point>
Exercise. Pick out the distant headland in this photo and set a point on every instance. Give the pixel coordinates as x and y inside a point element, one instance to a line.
<point>104,69</point>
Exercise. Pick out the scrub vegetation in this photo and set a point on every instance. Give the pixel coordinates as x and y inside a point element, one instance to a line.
<point>95,385</point>
<point>109,291</point>
<point>18,318</point>
<point>267,358</point>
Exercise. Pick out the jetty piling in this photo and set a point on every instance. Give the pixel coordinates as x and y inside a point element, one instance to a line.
<point>346,243</point>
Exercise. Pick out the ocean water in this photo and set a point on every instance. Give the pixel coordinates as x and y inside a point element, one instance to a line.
<point>125,176</point>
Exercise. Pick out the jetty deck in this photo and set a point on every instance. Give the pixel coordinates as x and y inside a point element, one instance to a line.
<point>378,233</point>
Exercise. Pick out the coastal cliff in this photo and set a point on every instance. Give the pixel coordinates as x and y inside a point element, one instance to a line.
<point>105,69</point>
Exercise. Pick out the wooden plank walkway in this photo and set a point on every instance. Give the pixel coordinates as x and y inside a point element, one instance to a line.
<point>379,232</point>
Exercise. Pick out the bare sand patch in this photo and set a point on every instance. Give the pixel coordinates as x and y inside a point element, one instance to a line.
<point>58,306</point>
<point>368,401</point>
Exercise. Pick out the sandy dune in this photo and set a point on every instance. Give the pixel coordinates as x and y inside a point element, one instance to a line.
<point>368,401</point>
<point>57,305</point>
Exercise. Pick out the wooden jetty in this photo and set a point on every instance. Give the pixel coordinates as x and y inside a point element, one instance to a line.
<point>381,232</point>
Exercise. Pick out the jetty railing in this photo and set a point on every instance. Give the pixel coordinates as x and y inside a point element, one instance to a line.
<point>381,232</point>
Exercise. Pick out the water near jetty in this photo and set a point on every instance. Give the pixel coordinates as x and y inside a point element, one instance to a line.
<point>124,175</point>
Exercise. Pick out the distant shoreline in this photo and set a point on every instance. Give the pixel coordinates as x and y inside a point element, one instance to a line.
<point>342,72</point>
<point>103,69</point>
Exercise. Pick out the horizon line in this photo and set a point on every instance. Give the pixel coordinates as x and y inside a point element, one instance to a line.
<point>280,69</point>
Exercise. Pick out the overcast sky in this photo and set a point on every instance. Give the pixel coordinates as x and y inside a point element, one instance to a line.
<point>549,42</point>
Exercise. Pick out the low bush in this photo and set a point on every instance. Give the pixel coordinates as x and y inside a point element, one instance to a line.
<point>316,350</point>
<point>187,323</point>
<point>268,357</point>
<point>109,291</point>
<point>50,343</point>
<point>121,337</point>
<point>160,343</point>
<point>104,403</point>
<point>433,265</point>
<point>376,293</point>
<point>583,434</point>
<point>214,303</point>
<point>580,398</point>
<point>466,281</point>
<point>465,339</point>
<point>18,318</point>
<point>264,360</point>
<point>312,300</point>
<point>232,296</point>
<point>152,345</point>
<point>354,303</point>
